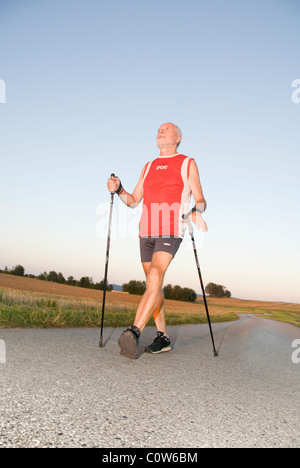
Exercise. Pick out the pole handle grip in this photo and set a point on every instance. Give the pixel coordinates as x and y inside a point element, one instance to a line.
<point>112,175</point>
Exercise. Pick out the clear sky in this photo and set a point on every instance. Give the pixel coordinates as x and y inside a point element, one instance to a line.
<point>89,82</point>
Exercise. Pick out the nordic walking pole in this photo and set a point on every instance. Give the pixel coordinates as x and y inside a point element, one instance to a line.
<point>191,232</point>
<point>106,264</point>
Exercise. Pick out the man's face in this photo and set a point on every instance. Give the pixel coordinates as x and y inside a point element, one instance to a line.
<point>167,136</point>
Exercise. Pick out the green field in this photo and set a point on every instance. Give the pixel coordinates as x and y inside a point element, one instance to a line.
<point>27,309</point>
<point>21,309</point>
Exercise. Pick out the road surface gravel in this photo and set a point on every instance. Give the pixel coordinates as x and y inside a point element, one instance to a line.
<point>59,389</point>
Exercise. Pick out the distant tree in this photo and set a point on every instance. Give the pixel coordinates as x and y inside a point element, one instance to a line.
<point>71,281</point>
<point>43,276</point>
<point>168,291</point>
<point>211,289</point>
<point>135,287</point>
<point>216,290</point>
<point>189,295</point>
<point>52,276</point>
<point>60,278</point>
<point>109,287</point>
<point>18,270</point>
<point>177,293</point>
<point>85,282</point>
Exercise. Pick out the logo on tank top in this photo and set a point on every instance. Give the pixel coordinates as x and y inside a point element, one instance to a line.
<point>161,167</point>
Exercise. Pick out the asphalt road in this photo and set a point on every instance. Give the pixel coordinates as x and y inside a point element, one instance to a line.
<point>59,389</point>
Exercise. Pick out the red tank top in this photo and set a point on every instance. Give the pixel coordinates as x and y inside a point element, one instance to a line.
<point>167,196</point>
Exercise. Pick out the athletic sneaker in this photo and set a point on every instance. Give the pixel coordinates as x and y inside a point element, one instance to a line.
<point>129,341</point>
<point>161,344</point>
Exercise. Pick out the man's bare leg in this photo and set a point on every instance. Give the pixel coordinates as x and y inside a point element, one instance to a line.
<point>161,343</point>
<point>160,312</point>
<point>160,316</point>
<point>152,298</point>
<point>149,305</point>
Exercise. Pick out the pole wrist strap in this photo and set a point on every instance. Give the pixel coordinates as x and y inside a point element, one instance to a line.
<point>120,189</point>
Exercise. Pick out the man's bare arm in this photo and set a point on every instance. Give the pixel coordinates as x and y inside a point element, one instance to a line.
<point>200,202</point>
<point>130,199</point>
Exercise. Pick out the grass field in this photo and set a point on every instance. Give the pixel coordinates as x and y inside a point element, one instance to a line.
<point>28,303</point>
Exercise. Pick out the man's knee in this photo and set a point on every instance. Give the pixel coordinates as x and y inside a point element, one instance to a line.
<point>155,278</point>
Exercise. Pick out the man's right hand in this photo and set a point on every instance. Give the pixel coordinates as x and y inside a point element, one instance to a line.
<point>113,184</point>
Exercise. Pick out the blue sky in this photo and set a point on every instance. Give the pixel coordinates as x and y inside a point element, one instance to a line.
<point>87,85</point>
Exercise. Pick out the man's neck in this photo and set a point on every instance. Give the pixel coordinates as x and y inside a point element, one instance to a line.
<point>168,151</point>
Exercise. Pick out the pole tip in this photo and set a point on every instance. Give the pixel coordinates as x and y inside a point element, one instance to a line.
<point>215,354</point>
<point>100,342</point>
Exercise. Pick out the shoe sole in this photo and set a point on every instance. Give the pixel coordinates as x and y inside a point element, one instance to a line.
<point>164,350</point>
<point>128,345</point>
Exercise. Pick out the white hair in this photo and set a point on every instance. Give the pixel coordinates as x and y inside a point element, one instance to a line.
<point>179,132</point>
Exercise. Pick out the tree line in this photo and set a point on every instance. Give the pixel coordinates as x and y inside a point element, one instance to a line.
<point>170,292</point>
<point>176,293</point>
<point>54,277</point>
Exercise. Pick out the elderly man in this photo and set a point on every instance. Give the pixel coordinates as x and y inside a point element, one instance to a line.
<point>165,185</point>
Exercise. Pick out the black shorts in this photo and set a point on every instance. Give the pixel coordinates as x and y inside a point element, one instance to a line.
<point>150,245</point>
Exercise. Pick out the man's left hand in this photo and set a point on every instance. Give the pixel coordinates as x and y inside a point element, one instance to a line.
<point>199,221</point>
